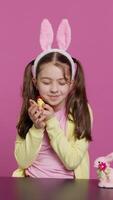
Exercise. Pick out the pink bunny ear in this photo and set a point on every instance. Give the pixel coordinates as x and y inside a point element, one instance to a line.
<point>109,157</point>
<point>64,35</point>
<point>46,35</point>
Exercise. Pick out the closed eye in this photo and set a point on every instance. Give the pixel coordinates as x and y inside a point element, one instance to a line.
<point>62,83</point>
<point>46,83</point>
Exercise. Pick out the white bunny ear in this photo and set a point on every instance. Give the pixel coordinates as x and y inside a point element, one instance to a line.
<point>109,157</point>
<point>64,35</point>
<point>46,35</point>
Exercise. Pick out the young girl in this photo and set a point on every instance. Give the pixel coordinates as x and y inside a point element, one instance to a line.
<point>52,141</point>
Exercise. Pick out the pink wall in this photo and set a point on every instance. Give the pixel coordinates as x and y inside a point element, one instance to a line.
<point>92,43</point>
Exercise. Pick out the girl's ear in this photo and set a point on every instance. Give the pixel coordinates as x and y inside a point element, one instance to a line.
<point>34,82</point>
<point>46,35</point>
<point>109,157</point>
<point>64,35</point>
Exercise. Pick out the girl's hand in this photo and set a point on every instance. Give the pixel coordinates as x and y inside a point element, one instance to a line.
<point>48,112</point>
<point>36,115</point>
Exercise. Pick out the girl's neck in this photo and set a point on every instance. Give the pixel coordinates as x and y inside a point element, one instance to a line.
<point>58,108</point>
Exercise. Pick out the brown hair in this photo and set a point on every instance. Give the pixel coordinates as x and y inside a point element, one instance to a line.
<point>76,105</point>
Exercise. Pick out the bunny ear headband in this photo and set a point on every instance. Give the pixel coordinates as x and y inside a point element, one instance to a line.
<point>63,40</point>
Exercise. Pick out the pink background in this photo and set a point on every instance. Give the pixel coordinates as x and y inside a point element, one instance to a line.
<point>92,43</point>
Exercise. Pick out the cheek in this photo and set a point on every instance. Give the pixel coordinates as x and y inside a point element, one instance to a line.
<point>42,89</point>
<point>65,90</point>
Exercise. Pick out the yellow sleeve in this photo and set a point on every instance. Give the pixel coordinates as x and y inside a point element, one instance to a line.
<point>70,152</point>
<point>27,149</point>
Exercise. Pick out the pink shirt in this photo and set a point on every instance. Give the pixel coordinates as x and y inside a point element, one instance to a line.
<point>47,163</point>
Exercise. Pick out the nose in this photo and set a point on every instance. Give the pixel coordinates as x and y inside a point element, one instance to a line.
<point>54,87</point>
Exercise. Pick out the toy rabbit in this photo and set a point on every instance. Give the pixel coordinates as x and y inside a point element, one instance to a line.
<point>104,171</point>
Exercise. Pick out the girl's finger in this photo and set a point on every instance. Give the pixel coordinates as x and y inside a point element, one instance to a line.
<point>32,107</point>
<point>41,118</point>
<point>37,115</point>
<point>33,111</point>
<point>48,108</point>
<point>32,102</point>
<point>46,112</point>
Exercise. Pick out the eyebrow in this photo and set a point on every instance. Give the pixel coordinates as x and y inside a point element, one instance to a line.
<point>52,79</point>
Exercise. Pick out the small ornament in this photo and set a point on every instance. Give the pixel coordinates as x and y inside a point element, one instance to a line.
<point>40,102</point>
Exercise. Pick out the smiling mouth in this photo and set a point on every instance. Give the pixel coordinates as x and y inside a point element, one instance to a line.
<point>53,97</point>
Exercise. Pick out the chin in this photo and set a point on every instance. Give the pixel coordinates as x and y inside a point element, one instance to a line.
<point>54,103</point>
<point>51,103</point>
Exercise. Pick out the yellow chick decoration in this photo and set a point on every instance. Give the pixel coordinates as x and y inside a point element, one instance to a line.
<point>40,102</point>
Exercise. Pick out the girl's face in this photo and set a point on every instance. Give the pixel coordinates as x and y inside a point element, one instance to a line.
<point>52,86</point>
